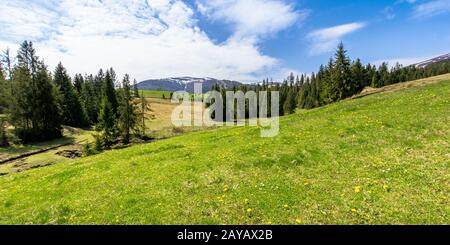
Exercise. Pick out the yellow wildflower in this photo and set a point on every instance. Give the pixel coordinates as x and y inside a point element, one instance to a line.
<point>357,189</point>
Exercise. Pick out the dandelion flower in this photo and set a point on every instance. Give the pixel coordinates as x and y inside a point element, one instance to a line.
<point>357,189</point>
<point>286,206</point>
<point>353,210</point>
<point>298,221</point>
<point>249,210</point>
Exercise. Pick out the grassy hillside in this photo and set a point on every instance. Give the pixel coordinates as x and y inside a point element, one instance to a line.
<point>384,158</point>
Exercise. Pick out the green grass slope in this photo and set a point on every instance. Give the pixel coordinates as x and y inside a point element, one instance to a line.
<point>381,159</point>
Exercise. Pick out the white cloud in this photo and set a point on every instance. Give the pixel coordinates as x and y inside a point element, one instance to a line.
<point>431,8</point>
<point>326,39</point>
<point>148,39</point>
<point>25,19</point>
<point>252,19</point>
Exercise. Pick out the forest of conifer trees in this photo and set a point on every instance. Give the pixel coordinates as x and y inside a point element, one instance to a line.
<point>341,78</point>
<point>37,103</point>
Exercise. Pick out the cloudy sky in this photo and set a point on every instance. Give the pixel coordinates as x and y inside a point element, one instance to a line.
<point>244,40</point>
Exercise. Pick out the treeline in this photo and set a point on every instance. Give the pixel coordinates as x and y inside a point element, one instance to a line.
<point>37,103</point>
<point>341,78</point>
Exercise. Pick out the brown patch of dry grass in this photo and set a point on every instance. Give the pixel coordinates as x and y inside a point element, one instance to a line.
<point>159,122</point>
<point>395,87</point>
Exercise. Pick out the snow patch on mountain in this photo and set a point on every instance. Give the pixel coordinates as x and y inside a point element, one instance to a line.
<point>174,84</point>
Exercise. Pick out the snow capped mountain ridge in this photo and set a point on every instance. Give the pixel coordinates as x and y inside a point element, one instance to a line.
<point>186,80</point>
<point>440,59</point>
<point>186,83</point>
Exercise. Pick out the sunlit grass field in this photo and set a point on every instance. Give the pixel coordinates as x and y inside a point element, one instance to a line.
<point>155,94</point>
<point>73,139</point>
<point>380,159</point>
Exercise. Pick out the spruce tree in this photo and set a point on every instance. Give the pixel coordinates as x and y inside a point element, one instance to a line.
<point>7,60</point>
<point>289,104</point>
<point>107,123</point>
<point>72,111</point>
<point>143,108</point>
<point>370,72</point>
<point>20,113</point>
<point>358,75</point>
<point>78,82</point>
<point>47,114</point>
<point>283,96</point>
<point>340,75</point>
<point>314,96</point>
<point>383,75</point>
<point>34,111</point>
<point>90,99</point>
<point>291,80</point>
<point>304,100</point>
<point>99,81</point>
<point>109,90</point>
<point>135,89</point>
<point>328,88</point>
<point>127,111</point>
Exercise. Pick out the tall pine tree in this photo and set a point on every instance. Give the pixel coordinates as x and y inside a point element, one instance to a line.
<point>90,98</point>
<point>107,123</point>
<point>358,76</point>
<point>340,75</point>
<point>34,109</point>
<point>78,82</point>
<point>72,111</point>
<point>135,89</point>
<point>143,108</point>
<point>289,104</point>
<point>109,90</point>
<point>127,110</point>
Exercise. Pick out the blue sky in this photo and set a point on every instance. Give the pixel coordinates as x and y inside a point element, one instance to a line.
<point>244,40</point>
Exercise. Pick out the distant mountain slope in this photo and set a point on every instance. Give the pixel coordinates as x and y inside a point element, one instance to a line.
<point>439,59</point>
<point>184,84</point>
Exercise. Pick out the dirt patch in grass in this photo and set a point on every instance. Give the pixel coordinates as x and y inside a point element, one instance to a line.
<point>72,154</point>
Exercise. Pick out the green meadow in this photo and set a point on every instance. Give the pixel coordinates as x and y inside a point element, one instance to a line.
<point>155,94</point>
<point>380,159</point>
